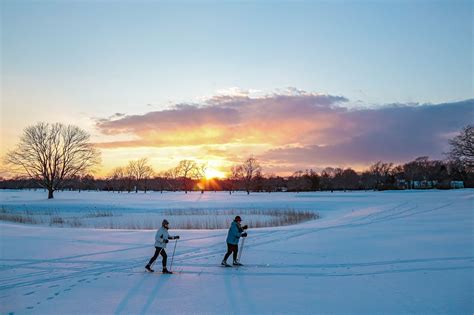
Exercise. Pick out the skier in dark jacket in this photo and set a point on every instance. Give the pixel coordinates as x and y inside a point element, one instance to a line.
<point>235,232</point>
<point>161,239</point>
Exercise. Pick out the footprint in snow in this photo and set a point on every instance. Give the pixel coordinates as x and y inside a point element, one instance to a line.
<point>29,293</point>
<point>30,307</point>
<point>54,286</point>
<point>50,298</point>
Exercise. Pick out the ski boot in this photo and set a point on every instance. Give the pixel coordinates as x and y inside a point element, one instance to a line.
<point>147,267</point>
<point>225,264</point>
<point>166,271</point>
<point>236,263</point>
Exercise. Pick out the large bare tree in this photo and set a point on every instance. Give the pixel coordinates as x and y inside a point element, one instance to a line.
<point>462,148</point>
<point>51,153</point>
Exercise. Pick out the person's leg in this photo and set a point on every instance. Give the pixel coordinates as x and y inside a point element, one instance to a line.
<point>165,258</point>
<point>157,252</point>
<point>235,250</point>
<point>229,251</point>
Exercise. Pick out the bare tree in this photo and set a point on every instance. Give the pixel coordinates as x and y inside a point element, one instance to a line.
<point>172,178</point>
<point>199,171</point>
<point>299,182</point>
<point>347,179</point>
<point>139,171</point>
<point>234,178</point>
<point>186,170</point>
<point>327,175</point>
<point>380,172</point>
<point>117,178</point>
<point>236,172</point>
<point>51,153</point>
<point>462,147</point>
<point>250,169</point>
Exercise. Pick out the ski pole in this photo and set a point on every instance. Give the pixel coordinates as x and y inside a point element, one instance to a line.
<point>172,257</point>
<point>241,249</point>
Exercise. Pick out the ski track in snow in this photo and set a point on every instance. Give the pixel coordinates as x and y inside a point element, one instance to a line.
<point>41,281</point>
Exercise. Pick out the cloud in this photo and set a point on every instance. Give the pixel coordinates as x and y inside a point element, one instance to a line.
<point>295,128</point>
<point>224,119</point>
<point>392,133</point>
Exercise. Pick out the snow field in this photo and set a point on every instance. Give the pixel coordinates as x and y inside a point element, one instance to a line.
<point>370,253</point>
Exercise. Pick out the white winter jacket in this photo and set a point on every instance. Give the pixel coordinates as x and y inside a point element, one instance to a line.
<point>161,235</point>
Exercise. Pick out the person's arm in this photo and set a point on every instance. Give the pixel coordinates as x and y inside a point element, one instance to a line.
<point>236,230</point>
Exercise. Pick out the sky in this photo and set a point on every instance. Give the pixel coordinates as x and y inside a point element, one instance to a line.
<point>300,84</point>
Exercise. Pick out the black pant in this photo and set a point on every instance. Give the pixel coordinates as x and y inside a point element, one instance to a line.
<point>231,248</point>
<point>159,250</point>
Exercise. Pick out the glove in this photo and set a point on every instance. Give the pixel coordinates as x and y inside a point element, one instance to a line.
<point>245,227</point>
<point>166,241</point>
<point>176,237</point>
<point>244,235</point>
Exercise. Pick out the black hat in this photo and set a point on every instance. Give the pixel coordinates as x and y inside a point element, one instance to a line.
<point>165,222</point>
<point>237,218</point>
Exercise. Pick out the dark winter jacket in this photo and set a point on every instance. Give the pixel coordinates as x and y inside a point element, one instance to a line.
<point>235,231</point>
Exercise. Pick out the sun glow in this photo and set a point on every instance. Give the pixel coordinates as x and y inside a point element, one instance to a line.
<point>213,173</point>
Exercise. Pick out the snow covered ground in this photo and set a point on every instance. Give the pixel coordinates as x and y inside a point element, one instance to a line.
<point>370,253</point>
<point>147,211</point>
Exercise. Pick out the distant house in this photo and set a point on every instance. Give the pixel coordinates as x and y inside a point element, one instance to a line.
<point>457,184</point>
<point>416,184</point>
<point>428,184</point>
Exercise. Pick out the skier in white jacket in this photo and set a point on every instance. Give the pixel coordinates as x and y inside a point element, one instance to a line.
<point>161,239</point>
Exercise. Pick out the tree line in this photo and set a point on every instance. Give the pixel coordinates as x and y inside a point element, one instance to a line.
<point>187,176</point>
<point>58,157</point>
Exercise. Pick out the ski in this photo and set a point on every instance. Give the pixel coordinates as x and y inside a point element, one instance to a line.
<point>159,273</point>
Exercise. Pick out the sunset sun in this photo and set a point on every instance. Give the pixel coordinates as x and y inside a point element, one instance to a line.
<point>213,173</point>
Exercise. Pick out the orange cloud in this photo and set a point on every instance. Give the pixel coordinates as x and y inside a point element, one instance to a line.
<point>274,119</point>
